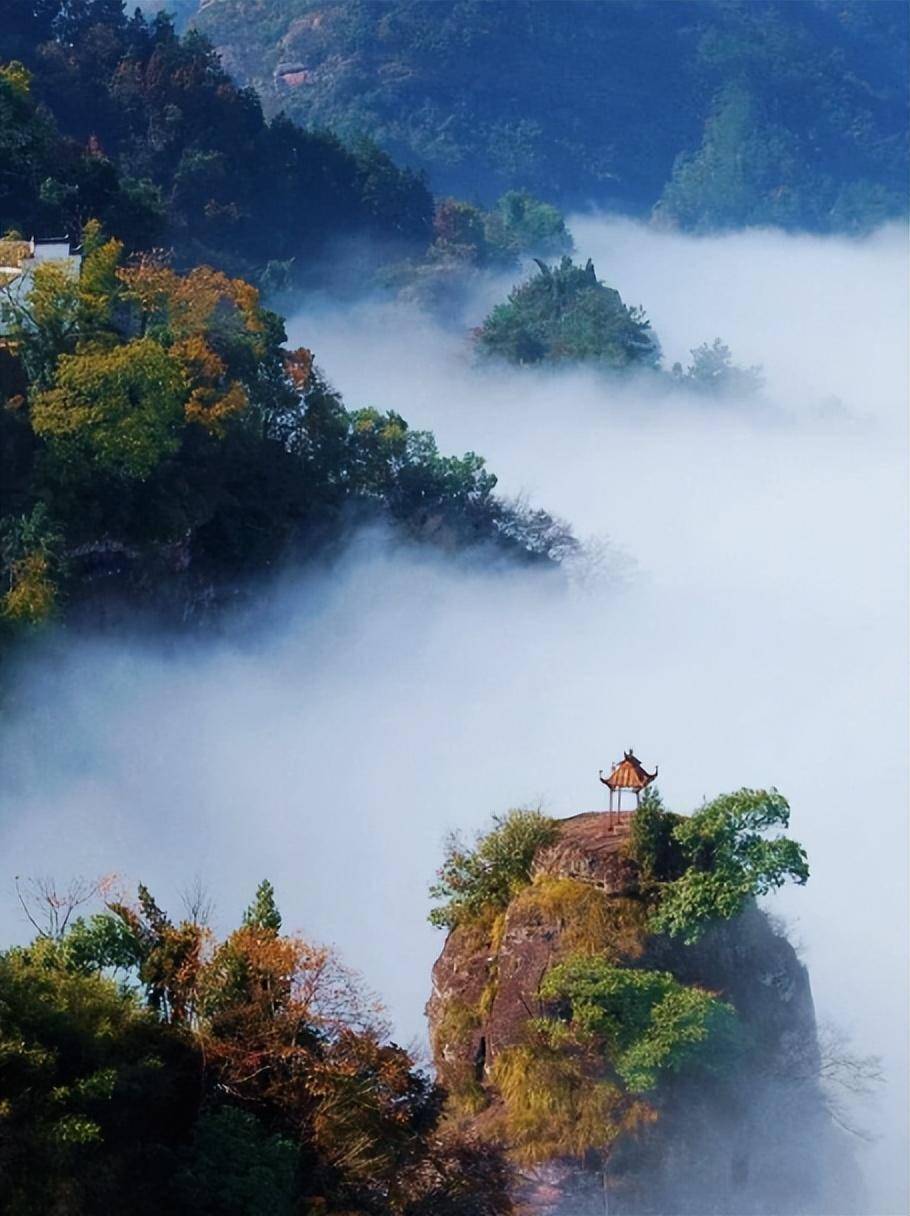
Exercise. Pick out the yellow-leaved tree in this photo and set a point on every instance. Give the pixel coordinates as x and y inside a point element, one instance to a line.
<point>122,357</point>
<point>121,406</point>
<point>213,324</point>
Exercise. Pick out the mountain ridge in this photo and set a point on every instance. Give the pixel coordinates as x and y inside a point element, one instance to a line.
<point>602,103</point>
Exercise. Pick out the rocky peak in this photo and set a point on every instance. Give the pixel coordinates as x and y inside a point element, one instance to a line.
<point>763,1144</point>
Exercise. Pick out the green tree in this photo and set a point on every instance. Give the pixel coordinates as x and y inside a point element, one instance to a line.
<point>60,308</point>
<point>263,911</point>
<point>729,861</point>
<point>475,880</point>
<point>712,371</point>
<point>565,313</point>
<point>652,844</point>
<point>27,141</point>
<point>44,324</point>
<point>95,1093</point>
<point>520,223</point>
<point>122,407</point>
<point>236,1167</point>
<point>645,1022</point>
<point>104,943</point>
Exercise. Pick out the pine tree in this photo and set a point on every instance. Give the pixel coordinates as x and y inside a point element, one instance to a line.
<point>263,911</point>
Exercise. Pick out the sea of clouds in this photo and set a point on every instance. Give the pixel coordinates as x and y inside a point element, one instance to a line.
<point>744,623</point>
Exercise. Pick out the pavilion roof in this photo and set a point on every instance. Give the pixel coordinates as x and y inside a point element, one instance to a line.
<point>628,774</point>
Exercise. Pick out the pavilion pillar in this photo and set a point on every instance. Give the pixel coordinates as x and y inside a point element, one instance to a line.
<point>630,775</point>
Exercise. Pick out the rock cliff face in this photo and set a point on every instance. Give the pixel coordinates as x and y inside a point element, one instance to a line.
<point>756,1139</point>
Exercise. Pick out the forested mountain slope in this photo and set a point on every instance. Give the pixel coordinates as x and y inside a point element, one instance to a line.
<point>158,442</point>
<point>112,117</point>
<point>720,113</point>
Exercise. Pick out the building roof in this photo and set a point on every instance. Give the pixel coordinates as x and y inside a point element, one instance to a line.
<point>17,255</point>
<point>628,774</point>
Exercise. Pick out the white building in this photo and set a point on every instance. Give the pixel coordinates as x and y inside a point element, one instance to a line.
<point>19,260</point>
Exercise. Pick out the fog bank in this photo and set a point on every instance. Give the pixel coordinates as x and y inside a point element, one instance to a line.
<point>757,636</point>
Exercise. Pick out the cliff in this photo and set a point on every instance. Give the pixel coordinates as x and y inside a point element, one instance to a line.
<point>745,1132</point>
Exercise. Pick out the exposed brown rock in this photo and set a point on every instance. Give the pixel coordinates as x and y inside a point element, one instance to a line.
<point>758,1145</point>
<point>529,946</point>
<point>460,976</point>
<point>592,848</point>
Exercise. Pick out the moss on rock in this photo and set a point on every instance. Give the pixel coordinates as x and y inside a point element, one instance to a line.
<point>590,922</point>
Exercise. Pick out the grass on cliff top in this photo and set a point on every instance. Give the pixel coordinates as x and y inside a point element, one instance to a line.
<point>474,881</point>
<point>590,922</point>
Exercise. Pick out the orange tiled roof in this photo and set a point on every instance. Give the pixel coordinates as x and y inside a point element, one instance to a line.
<point>629,774</point>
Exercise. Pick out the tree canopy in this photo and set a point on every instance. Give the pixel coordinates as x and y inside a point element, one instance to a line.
<point>120,118</point>
<point>565,313</point>
<point>724,114</point>
<point>713,372</point>
<point>240,1077</point>
<point>726,859</point>
<point>156,416</point>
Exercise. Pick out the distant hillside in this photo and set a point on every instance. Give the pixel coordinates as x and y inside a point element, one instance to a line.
<point>722,113</point>
<point>112,117</point>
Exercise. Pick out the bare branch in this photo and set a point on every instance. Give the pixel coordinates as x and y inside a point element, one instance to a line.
<point>27,910</point>
<point>50,910</point>
<point>197,902</point>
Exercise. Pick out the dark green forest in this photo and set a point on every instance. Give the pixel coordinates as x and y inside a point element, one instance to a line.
<point>713,114</point>
<point>121,120</point>
<point>159,442</point>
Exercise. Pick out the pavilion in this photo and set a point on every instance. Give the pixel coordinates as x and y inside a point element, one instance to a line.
<point>627,774</point>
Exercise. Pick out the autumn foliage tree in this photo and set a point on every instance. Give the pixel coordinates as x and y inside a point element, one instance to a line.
<point>284,1090</point>
<point>157,416</point>
<point>121,408</point>
<point>122,357</point>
